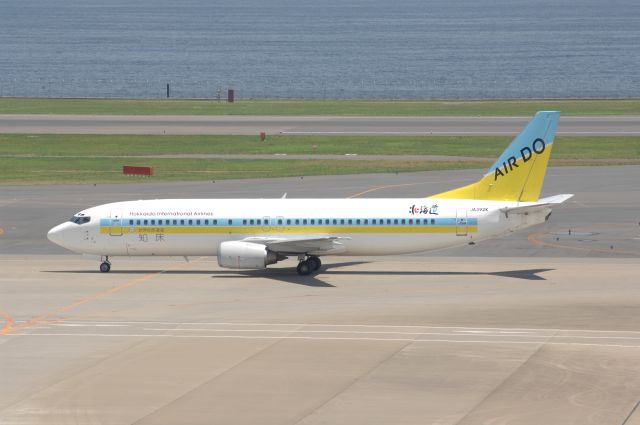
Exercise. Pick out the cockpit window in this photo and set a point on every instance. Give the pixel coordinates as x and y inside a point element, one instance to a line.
<point>80,219</point>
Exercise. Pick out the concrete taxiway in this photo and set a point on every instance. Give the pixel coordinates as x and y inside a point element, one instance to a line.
<point>612,125</point>
<point>405,340</point>
<point>537,327</point>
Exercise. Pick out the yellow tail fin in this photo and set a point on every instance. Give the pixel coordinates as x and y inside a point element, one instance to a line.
<point>519,173</point>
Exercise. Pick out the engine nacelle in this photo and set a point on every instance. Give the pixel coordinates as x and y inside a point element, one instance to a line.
<point>245,255</point>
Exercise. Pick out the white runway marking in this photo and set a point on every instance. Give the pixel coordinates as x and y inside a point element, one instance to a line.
<point>286,337</point>
<point>342,325</point>
<point>339,332</point>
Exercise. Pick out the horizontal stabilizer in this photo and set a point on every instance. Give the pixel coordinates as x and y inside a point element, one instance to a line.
<point>556,199</point>
<point>542,204</point>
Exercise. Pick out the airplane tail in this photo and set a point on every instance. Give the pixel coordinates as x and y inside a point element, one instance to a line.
<point>519,173</point>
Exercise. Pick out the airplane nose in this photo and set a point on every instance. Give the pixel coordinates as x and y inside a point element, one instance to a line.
<point>55,234</point>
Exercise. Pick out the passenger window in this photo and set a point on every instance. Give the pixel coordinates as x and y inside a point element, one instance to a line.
<point>342,221</point>
<point>304,221</point>
<point>395,221</point>
<point>175,222</point>
<point>206,222</point>
<point>229,222</point>
<point>326,221</point>
<point>190,222</point>
<point>288,221</point>
<point>198,222</point>
<point>130,222</point>
<point>433,221</point>
<point>244,221</point>
<point>388,221</point>
<point>279,221</point>
<point>146,222</point>
<point>350,221</point>
<point>297,221</point>
<point>182,222</point>
<point>335,221</point>
<point>214,222</point>
<point>358,221</point>
<point>366,221</point>
<point>410,221</point>
<point>251,221</point>
<point>313,221</point>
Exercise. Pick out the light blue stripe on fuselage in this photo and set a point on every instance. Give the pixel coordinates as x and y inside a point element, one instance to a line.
<point>444,221</point>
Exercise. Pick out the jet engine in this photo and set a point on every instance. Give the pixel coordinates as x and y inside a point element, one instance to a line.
<point>245,255</point>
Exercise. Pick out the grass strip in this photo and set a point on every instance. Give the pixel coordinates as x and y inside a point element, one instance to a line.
<point>106,170</point>
<point>317,107</point>
<point>565,147</point>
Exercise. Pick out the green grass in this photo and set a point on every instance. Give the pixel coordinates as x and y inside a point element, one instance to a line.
<point>316,107</point>
<point>565,147</point>
<point>105,170</point>
<point>99,159</point>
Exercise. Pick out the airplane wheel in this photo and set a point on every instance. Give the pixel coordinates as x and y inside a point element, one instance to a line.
<point>303,268</point>
<point>314,263</point>
<point>105,267</point>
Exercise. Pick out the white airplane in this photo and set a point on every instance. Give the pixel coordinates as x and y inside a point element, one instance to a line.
<point>253,233</point>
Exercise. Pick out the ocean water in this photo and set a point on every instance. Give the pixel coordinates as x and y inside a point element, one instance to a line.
<point>320,48</point>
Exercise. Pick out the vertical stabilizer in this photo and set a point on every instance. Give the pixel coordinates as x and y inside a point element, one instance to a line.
<point>519,172</point>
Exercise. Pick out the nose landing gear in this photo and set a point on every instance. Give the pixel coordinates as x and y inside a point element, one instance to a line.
<point>308,266</point>
<point>105,266</point>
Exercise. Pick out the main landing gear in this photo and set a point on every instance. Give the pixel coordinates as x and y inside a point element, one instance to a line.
<point>308,266</point>
<point>105,266</point>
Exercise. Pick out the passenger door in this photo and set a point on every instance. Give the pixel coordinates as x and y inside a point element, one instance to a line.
<point>461,222</point>
<point>115,227</point>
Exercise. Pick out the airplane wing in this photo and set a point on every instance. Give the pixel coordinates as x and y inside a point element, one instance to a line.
<point>314,245</point>
<point>541,204</point>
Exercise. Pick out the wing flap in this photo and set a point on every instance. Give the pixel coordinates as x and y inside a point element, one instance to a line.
<point>315,245</point>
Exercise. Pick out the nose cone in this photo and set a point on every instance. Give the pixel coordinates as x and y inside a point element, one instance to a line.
<point>55,235</point>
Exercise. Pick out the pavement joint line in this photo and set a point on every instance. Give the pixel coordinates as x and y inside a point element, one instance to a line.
<point>631,413</point>
<point>533,238</point>
<point>352,382</point>
<point>46,318</point>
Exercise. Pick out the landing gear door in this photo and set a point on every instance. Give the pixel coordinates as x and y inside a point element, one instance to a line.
<point>461,222</point>
<point>115,227</point>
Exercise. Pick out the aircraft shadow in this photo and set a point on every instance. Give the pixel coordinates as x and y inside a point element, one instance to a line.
<point>289,275</point>
<point>529,274</point>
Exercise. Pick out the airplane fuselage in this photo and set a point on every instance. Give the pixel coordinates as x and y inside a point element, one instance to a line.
<point>190,227</point>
